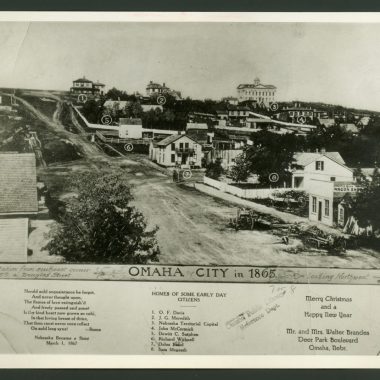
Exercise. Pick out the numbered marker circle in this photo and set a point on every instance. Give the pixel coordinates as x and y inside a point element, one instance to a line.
<point>82,98</point>
<point>106,119</point>
<point>274,107</point>
<point>161,100</point>
<point>187,174</point>
<point>128,147</point>
<point>301,119</point>
<point>274,177</point>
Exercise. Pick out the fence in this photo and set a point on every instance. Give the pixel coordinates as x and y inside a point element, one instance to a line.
<point>245,193</point>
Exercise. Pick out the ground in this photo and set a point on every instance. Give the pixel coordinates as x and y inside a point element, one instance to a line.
<point>193,226</point>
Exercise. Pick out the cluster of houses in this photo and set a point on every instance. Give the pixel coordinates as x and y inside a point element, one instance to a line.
<point>90,88</point>
<point>18,204</point>
<point>324,176</point>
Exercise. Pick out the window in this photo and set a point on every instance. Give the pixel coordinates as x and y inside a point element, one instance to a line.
<point>341,215</point>
<point>187,145</point>
<point>332,179</point>
<point>180,145</point>
<point>327,207</point>
<point>173,146</point>
<point>314,204</point>
<point>319,165</point>
<point>173,157</point>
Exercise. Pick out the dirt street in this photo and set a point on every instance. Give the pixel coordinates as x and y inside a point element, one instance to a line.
<point>193,228</point>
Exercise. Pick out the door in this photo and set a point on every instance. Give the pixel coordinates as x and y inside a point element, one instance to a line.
<point>319,211</point>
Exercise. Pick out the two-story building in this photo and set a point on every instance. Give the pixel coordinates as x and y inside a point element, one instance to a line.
<point>176,150</point>
<point>324,166</point>
<point>257,92</point>
<point>155,89</point>
<point>87,87</point>
<point>238,112</point>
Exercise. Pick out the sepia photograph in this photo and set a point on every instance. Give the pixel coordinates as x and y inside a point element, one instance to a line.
<point>192,143</point>
<point>198,190</point>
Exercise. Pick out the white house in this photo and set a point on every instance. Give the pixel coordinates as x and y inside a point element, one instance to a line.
<point>321,199</point>
<point>176,150</point>
<point>328,201</point>
<point>130,128</point>
<point>324,166</point>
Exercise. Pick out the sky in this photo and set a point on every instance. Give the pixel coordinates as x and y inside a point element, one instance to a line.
<point>332,63</point>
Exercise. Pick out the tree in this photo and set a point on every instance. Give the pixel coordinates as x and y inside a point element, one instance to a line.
<point>92,111</point>
<point>269,153</point>
<point>214,169</point>
<point>115,94</point>
<point>132,109</point>
<point>240,171</point>
<point>100,226</point>
<point>367,203</point>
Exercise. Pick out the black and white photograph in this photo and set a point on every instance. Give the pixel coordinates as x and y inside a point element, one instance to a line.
<point>189,190</point>
<point>190,143</point>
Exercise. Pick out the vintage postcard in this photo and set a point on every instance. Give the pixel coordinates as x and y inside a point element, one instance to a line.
<point>200,188</point>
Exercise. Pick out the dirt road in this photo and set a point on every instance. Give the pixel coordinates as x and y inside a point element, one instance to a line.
<point>91,151</point>
<point>193,228</point>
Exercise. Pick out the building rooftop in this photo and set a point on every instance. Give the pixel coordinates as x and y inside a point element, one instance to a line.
<point>18,183</point>
<point>259,86</point>
<point>130,121</point>
<point>112,103</point>
<point>327,122</point>
<point>350,128</point>
<point>196,126</point>
<point>170,139</point>
<point>306,158</point>
<point>14,240</point>
<point>152,84</point>
<point>83,80</point>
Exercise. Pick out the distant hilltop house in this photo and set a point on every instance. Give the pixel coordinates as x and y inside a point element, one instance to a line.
<point>87,87</point>
<point>155,89</point>
<point>257,92</point>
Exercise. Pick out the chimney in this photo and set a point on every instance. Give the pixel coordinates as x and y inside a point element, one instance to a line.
<point>323,150</point>
<point>163,84</point>
<point>316,151</point>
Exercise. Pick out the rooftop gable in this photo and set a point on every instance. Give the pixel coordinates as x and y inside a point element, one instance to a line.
<point>306,158</point>
<point>170,139</point>
<point>82,80</point>
<point>257,86</point>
